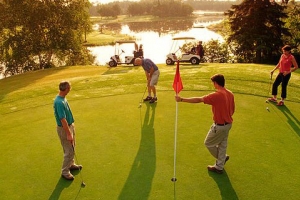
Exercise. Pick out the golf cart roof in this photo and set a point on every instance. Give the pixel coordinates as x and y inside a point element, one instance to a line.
<point>184,38</point>
<point>125,41</point>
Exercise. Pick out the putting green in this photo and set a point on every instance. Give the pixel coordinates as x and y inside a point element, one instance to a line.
<point>127,152</point>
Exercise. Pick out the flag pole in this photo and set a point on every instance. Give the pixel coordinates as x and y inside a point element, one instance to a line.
<point>174,179</point>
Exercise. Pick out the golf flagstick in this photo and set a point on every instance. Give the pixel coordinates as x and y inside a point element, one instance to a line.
<point>177,86</point>
<point>175,142</point>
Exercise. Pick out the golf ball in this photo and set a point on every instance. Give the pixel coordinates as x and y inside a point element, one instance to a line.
<point>267,108</point>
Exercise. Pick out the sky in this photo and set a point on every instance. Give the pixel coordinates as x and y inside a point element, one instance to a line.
<point>107,1</point>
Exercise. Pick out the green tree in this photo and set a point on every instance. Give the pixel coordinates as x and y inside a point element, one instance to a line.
<point>109,10</point>
<point>160,8</point>
<point>215,51</point>
<point>136,9</point>
<point>257,29</point>
<point>171,9</point>
<point>38,30</point>
<point>293,24</point>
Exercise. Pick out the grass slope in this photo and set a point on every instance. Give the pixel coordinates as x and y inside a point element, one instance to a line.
<point>127,152</point>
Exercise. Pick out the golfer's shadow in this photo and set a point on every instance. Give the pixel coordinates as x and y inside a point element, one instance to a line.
<point>291,119</point>
<point>224,184</point>
<point>139,182</point>
<point>60,186</point>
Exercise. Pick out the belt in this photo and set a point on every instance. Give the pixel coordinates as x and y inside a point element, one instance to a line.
<point>68,125</point>
<point>222,124</point>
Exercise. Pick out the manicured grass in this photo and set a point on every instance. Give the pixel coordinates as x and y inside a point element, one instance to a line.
<point>96,38</point>
<point>127,152</point>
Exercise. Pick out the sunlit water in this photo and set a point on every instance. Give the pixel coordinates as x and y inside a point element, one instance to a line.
<point>155,46</point>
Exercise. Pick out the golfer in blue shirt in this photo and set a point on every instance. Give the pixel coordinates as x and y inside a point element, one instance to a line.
<point>152,75</point>
<point>66,130</point>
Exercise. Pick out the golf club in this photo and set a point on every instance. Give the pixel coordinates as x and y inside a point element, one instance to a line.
<point>143,97</point>
<point>270,84</point>
<point>82,183</point>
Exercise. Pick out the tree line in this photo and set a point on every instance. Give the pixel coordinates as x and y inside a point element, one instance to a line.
<point>150,7</point>
<point>258,29</point>
<point>161,8</point>
<point>33,33</point>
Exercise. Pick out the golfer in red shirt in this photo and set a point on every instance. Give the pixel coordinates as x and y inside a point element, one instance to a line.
<point>223,107</point>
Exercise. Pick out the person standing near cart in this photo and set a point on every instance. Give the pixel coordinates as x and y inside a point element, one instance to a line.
<point>152,75</point>
<point>200,50</point>
<point>66,130</point>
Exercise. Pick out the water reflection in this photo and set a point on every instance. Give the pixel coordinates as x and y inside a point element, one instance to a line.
<point>156,37</point>
<point>161,27</point>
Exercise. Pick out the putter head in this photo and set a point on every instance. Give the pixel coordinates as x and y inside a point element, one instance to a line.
<point>82,184</point>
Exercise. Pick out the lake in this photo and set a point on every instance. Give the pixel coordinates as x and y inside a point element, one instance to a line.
<point>156,37</point>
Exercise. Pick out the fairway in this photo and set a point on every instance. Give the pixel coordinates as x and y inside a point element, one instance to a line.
<point>127,152</point>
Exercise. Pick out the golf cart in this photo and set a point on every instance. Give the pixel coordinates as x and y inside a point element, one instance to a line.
<point>128,45</point>
<point>183,50</point>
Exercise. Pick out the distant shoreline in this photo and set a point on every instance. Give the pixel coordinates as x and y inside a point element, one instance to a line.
<point>106,37</point>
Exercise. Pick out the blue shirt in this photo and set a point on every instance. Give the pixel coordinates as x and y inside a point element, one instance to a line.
<point>147,64</point>
<point>62,110</point>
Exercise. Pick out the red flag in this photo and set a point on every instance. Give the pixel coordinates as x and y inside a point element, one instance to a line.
<point>177,84</point>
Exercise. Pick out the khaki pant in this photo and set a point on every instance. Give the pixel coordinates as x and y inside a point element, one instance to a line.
<point>67,148</point>
<point>216,143</point>
<point>154,78</point>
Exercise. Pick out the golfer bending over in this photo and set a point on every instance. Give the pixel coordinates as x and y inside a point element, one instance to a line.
<point>65,130</point>
<point>222,102</point>
<point>152,75</point>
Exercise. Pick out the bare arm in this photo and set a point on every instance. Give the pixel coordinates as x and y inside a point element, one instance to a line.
<point>66,129</point>
<point>147,75</point>
<point>151,72</point>
<point>277,66</point>
<point>189,100</point>
<point>295,64</point>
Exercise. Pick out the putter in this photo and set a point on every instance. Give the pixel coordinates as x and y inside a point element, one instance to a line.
<point>82,183</point>
<point>270,84</point>
<point>143,97</point>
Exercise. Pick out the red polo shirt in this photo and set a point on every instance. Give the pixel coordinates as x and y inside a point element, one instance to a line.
<point>222,102</point>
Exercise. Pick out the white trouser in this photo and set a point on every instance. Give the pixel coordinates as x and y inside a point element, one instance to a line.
<point>216,143</point>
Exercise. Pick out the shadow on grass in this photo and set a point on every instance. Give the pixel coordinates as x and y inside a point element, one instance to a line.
<point>224,184</point>
<point>291,119</point>
<point>60,186</point>
<point>139,182</point>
